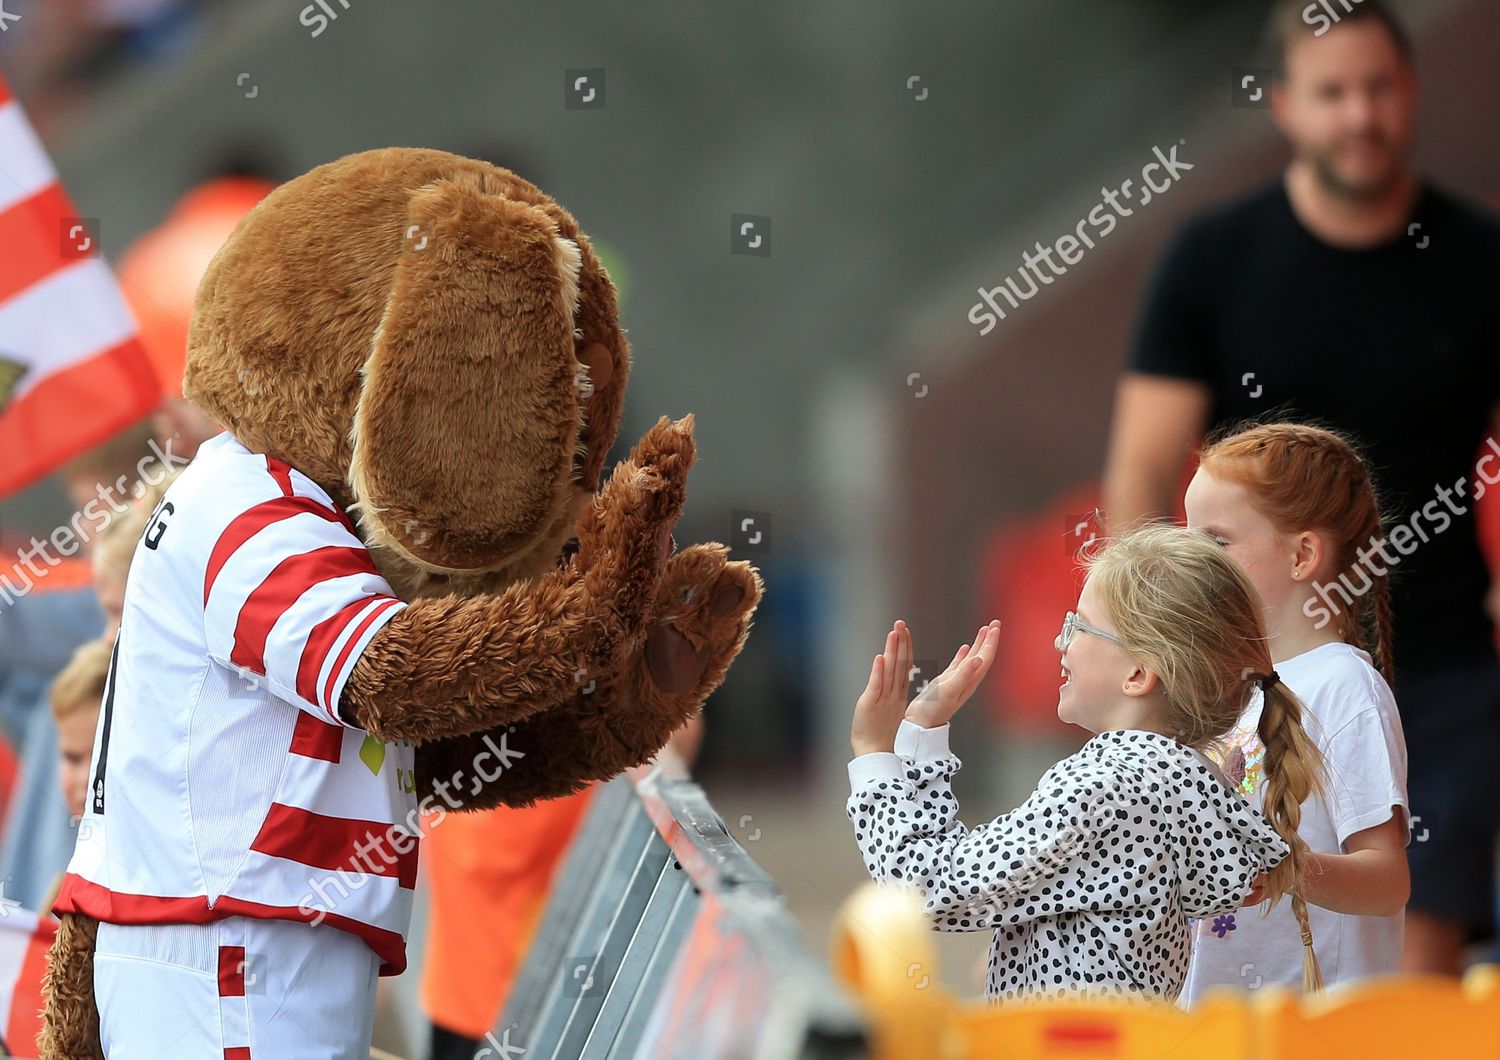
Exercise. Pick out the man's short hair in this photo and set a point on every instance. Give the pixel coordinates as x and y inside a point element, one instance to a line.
<point>1291,20</point>
<point>112,459</point>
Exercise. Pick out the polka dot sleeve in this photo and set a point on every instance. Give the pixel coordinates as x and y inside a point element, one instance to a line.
<point>1042,859</point>
<point>1089,884</point>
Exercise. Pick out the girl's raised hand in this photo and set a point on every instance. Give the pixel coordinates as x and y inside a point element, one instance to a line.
<point>950,690</point>
<point>878,712</point>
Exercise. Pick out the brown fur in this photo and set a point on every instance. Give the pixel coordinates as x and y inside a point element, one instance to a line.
<point>70,1024</point>
<point>438,391</point>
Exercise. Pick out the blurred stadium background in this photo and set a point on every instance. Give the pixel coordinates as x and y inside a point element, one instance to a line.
<point>889,460</point>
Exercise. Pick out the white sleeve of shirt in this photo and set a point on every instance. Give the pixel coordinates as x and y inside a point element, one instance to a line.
<point>913,741</point>
<point>1031,862</point>
<point>1366,773</point>
<point>294,606</point>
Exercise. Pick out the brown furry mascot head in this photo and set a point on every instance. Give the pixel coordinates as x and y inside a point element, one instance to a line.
<point>432,340</point>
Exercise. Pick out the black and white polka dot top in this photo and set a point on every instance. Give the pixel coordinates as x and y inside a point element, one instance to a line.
<point>1089,885</point>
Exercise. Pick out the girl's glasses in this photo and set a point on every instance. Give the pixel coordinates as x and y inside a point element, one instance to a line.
<point>1072,623</point>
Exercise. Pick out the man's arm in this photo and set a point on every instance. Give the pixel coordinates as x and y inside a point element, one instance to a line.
<point>1492,598</point>
<point>1370,878</point>
<point>1157,422</point>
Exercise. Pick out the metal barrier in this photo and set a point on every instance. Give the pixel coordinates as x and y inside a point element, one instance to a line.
<point>663,938</point>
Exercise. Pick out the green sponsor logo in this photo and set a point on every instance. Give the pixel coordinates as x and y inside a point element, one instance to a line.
<point>372,754</point>
<point>10,377</point>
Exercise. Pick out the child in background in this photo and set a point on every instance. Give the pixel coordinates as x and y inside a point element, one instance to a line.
<point>1090,884</point>
<point>78,691</point>
<point>115,546</point>
<point>76,695</point>
<point>1292,505</point>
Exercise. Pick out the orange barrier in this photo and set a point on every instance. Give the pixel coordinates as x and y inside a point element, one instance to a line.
<point>883,950</point>
<point>1414,1016</point>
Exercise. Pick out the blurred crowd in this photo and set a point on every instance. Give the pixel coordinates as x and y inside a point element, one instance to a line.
<point>72,48</point>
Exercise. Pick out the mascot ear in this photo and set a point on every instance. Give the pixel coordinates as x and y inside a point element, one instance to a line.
<point>469,417</point>
<point>603,350</point>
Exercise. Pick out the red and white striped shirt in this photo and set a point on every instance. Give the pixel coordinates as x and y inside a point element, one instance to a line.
<point>224,782</point>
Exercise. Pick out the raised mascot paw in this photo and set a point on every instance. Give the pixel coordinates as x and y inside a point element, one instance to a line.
<point>700,618</point>
<point>625,536</point>
<point>668,447</point>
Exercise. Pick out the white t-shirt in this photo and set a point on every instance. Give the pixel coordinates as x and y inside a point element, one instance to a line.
<point>1351,715</point>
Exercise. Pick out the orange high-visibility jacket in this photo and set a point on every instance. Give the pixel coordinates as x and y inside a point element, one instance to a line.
<point>490,874</point>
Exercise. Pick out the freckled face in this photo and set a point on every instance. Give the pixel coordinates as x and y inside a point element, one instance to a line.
<point>1223,510</point>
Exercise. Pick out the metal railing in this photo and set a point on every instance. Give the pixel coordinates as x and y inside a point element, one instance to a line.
<point>664,938</point>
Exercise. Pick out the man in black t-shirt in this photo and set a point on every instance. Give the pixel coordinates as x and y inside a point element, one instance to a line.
<point>1354,295</point>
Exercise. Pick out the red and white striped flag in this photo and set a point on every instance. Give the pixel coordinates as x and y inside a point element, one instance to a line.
<point>72,372</point>
<point>25,938</point>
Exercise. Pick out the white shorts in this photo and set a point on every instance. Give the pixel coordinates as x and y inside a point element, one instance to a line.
<point>234,989</point>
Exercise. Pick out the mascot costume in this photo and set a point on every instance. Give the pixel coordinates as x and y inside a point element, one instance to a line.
<point>392,587</point>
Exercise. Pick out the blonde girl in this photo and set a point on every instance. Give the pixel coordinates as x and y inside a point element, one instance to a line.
<point>1091,884</point>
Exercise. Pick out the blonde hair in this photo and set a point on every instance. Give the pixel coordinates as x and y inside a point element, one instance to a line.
<point>80,683</point>
<point>1187,612</point>
<point>115,545</point>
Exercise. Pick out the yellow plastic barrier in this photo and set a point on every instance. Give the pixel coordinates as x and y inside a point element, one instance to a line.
<point>1405,1016</point>
<point>883,950</point>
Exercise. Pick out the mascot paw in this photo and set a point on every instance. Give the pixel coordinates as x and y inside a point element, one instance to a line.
<point>701,616</point>
<point>668,447</point>
<point>625,537</point>
<point>699,620</point>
